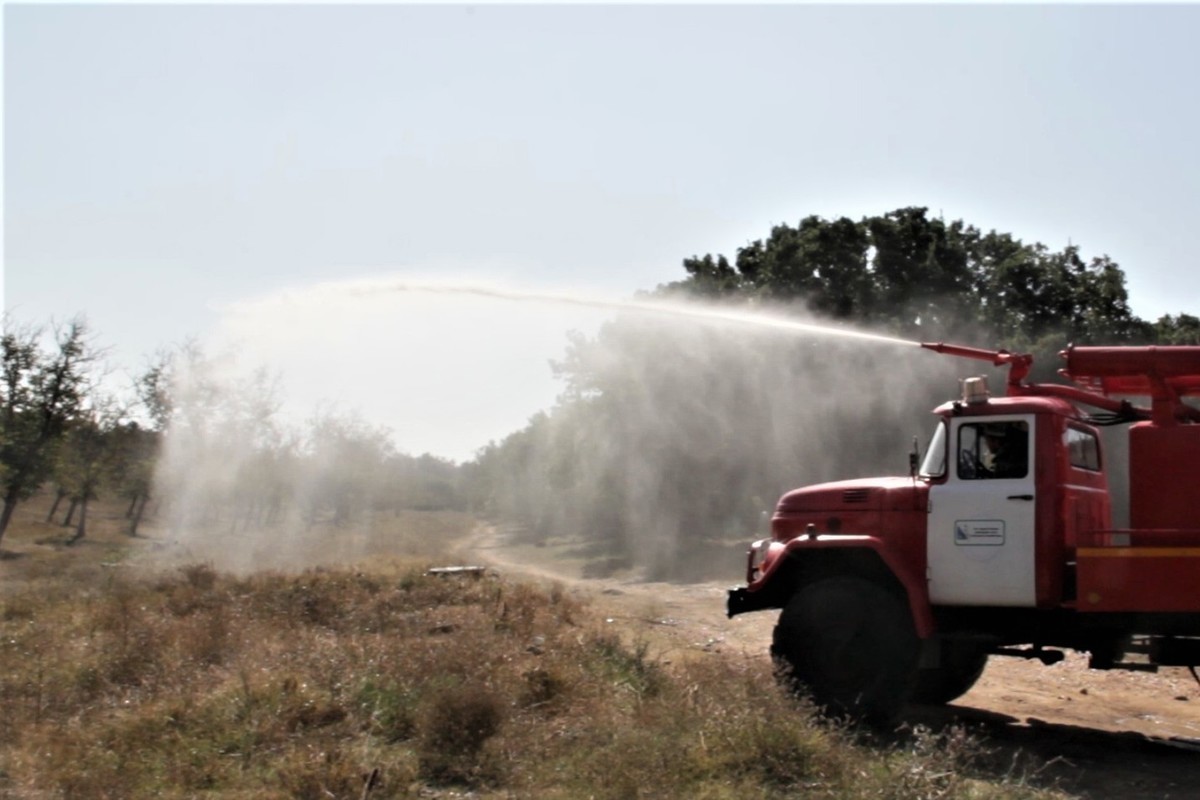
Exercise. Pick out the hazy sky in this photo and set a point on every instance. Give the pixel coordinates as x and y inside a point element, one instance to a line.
<point>166,164</point>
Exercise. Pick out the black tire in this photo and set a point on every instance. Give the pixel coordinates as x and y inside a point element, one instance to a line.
<point>851,645</point>
<point>961,665</point>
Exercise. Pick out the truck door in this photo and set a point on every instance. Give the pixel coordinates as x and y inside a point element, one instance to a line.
<point>981,519</point>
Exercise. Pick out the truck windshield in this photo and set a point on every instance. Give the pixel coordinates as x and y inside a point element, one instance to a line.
<point>934,465</point>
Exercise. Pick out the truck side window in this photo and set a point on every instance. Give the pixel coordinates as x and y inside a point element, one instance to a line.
<point>1083,449</point>
<point>993,450</point>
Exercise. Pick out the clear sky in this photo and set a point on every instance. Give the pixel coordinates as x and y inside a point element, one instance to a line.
<point>166,164</point>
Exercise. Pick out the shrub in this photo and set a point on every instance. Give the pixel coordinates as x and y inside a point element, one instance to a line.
<point>453,730</point>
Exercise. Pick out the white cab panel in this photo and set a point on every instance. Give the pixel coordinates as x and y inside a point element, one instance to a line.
<point>981,521</point>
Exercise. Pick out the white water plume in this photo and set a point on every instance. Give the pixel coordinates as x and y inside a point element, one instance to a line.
<point>446,371</point>
<point>678,421</point>
<point>450,366</point>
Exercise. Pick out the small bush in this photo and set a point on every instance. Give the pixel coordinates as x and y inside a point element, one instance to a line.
<point>541,688</point>
<point>133,657</point>
<point>204,639</point>
<point>19,608</point>
<point>318,773</point>
<point>453,730</point>
<point>390,710</point>
<point>199,576</point>
<point>628,668</point>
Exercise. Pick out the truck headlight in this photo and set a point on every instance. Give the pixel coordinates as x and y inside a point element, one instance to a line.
<point>758,557</point>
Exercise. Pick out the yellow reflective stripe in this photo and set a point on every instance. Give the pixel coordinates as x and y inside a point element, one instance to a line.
<point>1138,552</point>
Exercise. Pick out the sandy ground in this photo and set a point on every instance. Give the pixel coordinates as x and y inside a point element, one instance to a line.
<point>1099,734</point>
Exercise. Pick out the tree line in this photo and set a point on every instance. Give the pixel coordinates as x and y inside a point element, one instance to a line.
<point>670,438</point>
<point>187,439</point>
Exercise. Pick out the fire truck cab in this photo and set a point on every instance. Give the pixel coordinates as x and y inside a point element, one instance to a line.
<point>1000,542</point>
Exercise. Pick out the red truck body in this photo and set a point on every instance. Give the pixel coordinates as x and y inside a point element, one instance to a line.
<point>1002,538</point>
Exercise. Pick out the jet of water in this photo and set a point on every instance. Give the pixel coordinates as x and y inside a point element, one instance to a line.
<point>646,306</point>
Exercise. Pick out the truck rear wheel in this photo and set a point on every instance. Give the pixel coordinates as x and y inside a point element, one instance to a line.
<point>961,665</point>
<point>851,645</point>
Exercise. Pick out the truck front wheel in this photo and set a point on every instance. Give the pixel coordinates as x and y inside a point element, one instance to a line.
<point>961,665</point>
<point>851,645</point>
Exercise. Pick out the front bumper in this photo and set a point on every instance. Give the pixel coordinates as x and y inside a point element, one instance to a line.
<point>741,600</point>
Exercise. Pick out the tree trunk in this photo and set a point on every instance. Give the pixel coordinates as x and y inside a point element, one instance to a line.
<point>81,528</point>
<point>10,505</point>
<point>137,514</point>
<point>71,512</point>
<point>58,496</point>
<point>133,501</point>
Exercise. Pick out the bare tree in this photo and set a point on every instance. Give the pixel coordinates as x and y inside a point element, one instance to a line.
<point>135,453</point>
<point>345,458</point>
<point>42,392</point>
<point>221,442</point>
<point>90,454</point>
<point>138,446</point>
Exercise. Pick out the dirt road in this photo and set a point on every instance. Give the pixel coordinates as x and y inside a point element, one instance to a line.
<point>1099,734</point>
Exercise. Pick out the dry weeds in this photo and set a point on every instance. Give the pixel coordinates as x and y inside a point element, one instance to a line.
<point>192,682</point>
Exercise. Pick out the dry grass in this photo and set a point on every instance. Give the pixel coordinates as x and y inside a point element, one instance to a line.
<point>193,682</point>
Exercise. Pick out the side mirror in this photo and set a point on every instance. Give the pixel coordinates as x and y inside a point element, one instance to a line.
<point>914,459</point>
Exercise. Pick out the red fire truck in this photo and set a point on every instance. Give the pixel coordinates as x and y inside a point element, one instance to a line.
<point>999,542</point>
